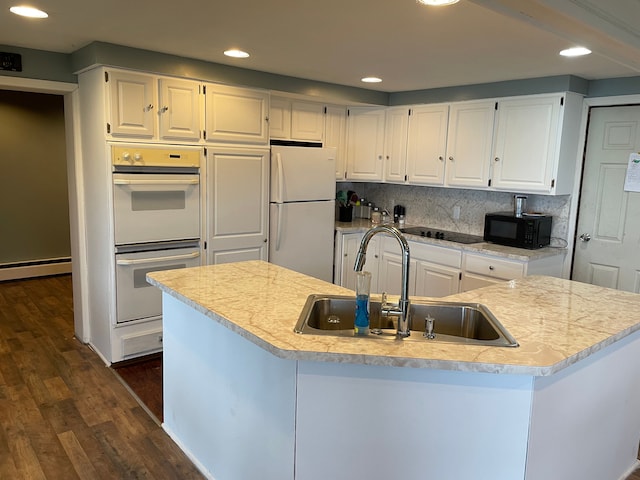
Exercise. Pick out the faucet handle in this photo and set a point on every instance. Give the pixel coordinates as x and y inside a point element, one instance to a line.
<point>384,298</point>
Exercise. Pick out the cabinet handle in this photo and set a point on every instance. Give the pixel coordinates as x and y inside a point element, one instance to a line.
<point>164,109</point>
<point>379,157</point>
<point>149,107</point>
<point>497,159</point>
<point>491,267</point>
<point>451,158</point>
<point>441,158</point>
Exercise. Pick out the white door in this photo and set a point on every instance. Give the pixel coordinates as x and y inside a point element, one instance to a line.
<point>237,204</point>
<point>607,250</point>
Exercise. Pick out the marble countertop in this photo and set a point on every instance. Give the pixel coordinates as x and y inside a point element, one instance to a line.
<point>557,322</point>
<point>361,225</point>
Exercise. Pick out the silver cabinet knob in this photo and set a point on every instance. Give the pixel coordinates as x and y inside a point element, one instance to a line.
<point>585,237</point>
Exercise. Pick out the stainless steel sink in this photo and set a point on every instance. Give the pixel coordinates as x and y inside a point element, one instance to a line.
<point>453,322</point>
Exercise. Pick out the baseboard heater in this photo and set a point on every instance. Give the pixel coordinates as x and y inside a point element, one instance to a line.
<point>35,268</point>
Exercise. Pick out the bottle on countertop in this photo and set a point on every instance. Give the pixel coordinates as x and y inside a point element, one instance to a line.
<point>363,287</point>
<point>376,216</point>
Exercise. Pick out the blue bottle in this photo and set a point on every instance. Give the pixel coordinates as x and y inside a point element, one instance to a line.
<point>361,321</point>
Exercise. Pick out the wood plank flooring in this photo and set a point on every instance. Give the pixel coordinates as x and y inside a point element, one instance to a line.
<point>63,413</point>
<point>144,378</point>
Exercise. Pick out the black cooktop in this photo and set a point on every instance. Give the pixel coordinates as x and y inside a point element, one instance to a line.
<point>442,234</point>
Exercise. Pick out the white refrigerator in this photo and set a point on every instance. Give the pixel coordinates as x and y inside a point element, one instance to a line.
<point>302,209</point>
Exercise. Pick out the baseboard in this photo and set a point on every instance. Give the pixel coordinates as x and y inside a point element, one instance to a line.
<point>35,269</point>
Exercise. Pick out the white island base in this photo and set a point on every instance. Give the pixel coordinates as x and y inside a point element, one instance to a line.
<point>241,412</point>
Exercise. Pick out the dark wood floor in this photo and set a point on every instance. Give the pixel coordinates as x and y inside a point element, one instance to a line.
<point>63,413</point>
<point>144,377</point>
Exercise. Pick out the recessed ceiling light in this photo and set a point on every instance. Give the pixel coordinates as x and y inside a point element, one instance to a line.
<point>575,52</point>
<point>371,80</point>
<point>236,53</point>
<point>28,12</point>
<point>437,2</point>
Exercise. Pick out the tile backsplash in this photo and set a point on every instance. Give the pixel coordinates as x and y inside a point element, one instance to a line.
<point>434,206</point>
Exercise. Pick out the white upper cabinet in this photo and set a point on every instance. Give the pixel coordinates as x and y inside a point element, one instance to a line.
<point>395,144</point>
<point>536,143</point>
<point>153,108</point>
<point>335,135</point>
<point>365,143</point>
<point>296,120</point>
<point>426,144</point>
<point>469,143</point>
<point>179,109</point>
<point>132,101</point>
<point>236,115</point>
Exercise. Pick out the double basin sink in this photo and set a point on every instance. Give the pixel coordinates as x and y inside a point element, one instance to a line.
<point>430,321</point>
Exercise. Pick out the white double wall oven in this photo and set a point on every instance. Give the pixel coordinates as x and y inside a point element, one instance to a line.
<point>156,222</point>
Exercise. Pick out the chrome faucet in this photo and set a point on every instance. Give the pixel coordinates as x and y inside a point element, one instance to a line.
<point>402,309</point>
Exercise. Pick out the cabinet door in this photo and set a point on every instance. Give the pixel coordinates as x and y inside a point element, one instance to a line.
<point>335,133</point>
<point>469,142</point>
<point>390,268</point>
<point>433,280</point>
<point>350,246</point>
<point>526,149</point>
<point>132,102</point>
<point>426,144</point>
<point>237,201</point>
<point>179,109</point>
<point>307,121</point>
<point>280,118</point>
<point>236,115</point>
<point>395,144</point>
<point>365,139</point>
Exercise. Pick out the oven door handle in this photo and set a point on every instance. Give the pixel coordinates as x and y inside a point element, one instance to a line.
<point>122,181</point>
<point>140,261</point>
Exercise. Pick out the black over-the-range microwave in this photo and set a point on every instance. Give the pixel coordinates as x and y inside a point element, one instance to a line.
<point>528,231</point>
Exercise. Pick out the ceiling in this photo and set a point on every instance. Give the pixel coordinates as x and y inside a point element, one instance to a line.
<point>410,46</point>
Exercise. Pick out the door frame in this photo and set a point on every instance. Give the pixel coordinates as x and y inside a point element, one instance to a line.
<point>610,101</point>
<point>69,92</point>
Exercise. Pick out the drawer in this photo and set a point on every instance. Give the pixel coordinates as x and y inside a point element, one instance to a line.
<point>493,267</point>
<point>449,257</point>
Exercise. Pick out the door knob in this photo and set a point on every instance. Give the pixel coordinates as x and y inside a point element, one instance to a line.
<point>585,237</point>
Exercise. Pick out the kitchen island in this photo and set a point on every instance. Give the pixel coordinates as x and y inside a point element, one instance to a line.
<point>246,397</point>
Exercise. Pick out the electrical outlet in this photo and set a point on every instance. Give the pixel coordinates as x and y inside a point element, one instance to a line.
<point>456,212</point>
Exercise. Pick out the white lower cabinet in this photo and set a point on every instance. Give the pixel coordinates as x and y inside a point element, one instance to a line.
<point>437,270</point>
<point>434,271</point>
<point>346,249</point>
<point>479,270</point>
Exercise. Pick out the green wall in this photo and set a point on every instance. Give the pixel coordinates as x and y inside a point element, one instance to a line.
<point>39,64</point>
<point>34,204</point>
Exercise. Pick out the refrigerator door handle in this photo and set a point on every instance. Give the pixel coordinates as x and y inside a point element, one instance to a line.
<point>279,226</point>
<point>280,177</point>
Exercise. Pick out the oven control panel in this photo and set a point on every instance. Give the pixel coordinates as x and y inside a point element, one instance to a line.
<point>133,155</point>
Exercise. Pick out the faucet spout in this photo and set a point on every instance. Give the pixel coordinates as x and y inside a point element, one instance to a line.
<point>402,309</point>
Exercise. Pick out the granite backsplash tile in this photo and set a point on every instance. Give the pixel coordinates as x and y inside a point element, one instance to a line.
<point>434,206</point>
